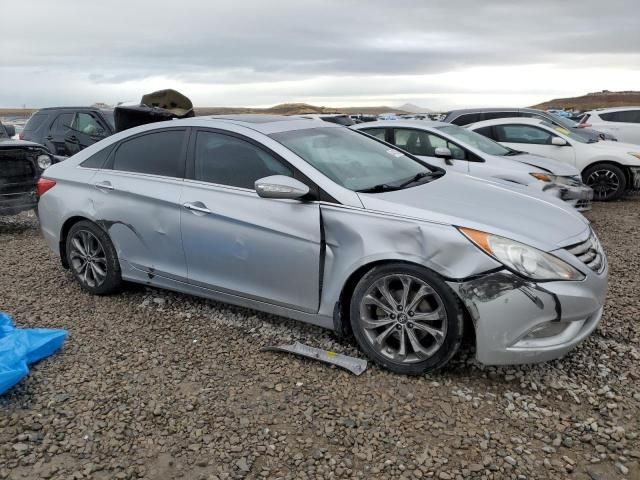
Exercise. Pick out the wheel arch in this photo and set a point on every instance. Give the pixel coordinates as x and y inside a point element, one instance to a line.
<point>64,231</point>
<point>341,321</point>
<point>625,168</point>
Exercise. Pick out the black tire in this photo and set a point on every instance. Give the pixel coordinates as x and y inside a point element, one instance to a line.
<point>107,263</point>
<point>607,180</point>
<point>363,315</point>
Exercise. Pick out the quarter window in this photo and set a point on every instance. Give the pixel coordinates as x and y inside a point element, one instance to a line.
<point>158,153</point>
<point>227,160</point>
<point>522,134</point>
<point>419,142</point>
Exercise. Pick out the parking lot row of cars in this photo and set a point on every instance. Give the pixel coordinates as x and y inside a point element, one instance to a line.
<point>402,233</point>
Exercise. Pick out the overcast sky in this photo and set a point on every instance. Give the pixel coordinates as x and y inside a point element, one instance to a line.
<point>436,54</point>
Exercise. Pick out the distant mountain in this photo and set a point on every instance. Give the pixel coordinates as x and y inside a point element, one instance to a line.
<point>411,108</point>
<point>602,99</point>
<point>296,109</point>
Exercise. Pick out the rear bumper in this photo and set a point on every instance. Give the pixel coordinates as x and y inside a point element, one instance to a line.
<point>519,321</point>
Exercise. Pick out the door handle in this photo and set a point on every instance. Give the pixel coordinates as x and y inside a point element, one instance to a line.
<point>106,185</point>
<point>194,207</point>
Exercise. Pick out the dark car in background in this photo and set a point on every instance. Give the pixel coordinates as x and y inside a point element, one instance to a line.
<point>21,164</point>
<point>65,131</point>
<point>468,116</point>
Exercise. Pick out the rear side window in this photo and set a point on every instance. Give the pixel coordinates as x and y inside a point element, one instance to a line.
<point>62,123</point>
<point>98,159</point>
<point>627,116</point>
<point>158,153</point>
<point>485,131</point>
<point>35,121</point>
<point>227,160</point>
<point>466,119</point>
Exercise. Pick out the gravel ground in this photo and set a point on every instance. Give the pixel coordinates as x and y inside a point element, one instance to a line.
<point>158,385</point>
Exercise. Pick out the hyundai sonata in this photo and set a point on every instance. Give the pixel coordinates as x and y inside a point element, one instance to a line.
<point>329,226</point>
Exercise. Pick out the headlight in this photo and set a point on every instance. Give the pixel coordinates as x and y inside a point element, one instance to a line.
<point>635,154</point>
<point>44,162</point>
<point>522,259</point>
<point>543,177</point>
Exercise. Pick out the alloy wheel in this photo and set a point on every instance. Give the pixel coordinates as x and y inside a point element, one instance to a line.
<point>604,183</point>
<point>88,258</point>
<point>403,318</point>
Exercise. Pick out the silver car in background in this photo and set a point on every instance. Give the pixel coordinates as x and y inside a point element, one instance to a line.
<point>455,148</point>
<point>329,226</point>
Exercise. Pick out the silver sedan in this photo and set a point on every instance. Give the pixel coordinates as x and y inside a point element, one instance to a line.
<point>329,226</point>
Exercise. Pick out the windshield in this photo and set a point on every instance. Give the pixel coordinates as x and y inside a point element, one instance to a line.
<point>567,132</point>
<point>351,159</point>
<point>476,140</point>
<point>564,121</point>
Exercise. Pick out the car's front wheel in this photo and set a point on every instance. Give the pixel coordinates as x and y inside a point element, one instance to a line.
<point>607,181</point>
<point>92,259</point>
<point>406,318</point>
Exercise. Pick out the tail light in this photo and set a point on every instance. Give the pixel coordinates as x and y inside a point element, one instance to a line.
<point>584,125</point>
<point>44,185</point>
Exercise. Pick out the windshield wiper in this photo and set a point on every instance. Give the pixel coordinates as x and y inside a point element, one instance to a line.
<point>382,187</point>
<point>417,177</point>
<point>511,153</point>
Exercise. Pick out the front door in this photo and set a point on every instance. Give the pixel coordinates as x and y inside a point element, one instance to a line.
<point>239,243</point>
<point>86,129</point>
<point>536,140</point>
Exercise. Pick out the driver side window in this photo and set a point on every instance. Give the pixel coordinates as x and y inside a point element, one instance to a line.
<point>419,142</point>
<point>85,123</point>
<point>522,134</point>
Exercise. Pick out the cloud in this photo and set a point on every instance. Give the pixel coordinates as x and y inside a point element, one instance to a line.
<point>70,52</point>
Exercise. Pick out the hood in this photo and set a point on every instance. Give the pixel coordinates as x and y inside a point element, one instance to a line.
<point>553,166</point>
<point>615,146</point>
<point>539,220</point>
<point>9,143</point>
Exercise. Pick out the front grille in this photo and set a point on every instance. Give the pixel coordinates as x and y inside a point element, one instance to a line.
<point>590,253</point>
<point>583,204</point>
<point>15,171</point>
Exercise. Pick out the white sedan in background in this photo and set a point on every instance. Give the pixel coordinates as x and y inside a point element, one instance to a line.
<point>622,122</point>
<point>610,168</point>
<point>456,148</point>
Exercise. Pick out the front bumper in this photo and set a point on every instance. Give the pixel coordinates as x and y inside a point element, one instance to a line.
<point>578,196</point>
<point>14,202</point>
<point>519,321</point>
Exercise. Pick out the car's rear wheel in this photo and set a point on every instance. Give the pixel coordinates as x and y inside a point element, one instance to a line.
<point>406,318</point>
<point>607,181</point>
<point>92,259</point>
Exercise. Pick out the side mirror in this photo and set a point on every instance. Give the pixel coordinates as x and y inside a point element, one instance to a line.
<point>281,186</point>
<point>559,142</point>
<point>11,130</point>
<point>445,154</point>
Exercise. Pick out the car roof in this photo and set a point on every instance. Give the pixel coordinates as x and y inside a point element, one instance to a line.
<point>407,123</point>
<point>612,109</point>
<point>508,120</point>
<point>95,109</point>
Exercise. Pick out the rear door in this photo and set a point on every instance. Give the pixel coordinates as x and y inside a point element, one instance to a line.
<point>55,139</point>
<point>137,200</point>
<point>533,139</point>
<point>238,243</point>
<point>86,129</point>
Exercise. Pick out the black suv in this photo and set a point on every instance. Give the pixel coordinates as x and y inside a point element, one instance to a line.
<point>67,130</point>
<point>21,164</point>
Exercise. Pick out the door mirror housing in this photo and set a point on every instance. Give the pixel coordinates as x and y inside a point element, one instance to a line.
<point>11,130</point>
<point>559,142</point>
<point>445,154</point>
<point>281,186</point>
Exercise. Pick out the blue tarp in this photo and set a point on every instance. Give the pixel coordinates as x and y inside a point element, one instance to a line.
<point>20,347</point>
